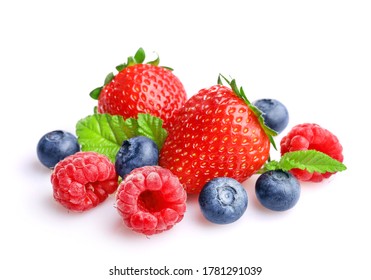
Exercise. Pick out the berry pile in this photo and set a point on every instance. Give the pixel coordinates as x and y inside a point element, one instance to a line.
<point>152,147</point>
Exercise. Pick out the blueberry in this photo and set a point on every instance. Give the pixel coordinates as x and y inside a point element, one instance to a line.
<point>136,152</point>
<point>277,190</point>
<point>223,200</point>
<point>275,114</point>
<point>55,146</point>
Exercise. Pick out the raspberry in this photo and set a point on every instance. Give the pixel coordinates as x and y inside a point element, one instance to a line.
<point>151,200</point>
<point>309,136</point>
<point>83,180</point>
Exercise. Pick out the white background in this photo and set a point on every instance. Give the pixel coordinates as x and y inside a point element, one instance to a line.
<point>314,56</point>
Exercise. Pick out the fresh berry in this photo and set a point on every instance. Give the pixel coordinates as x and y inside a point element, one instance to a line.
<point>55,146</point>
<point>275,114</point>
<point>216,134</point>
<point>83,180</point>
<point>141,88</point>
<point>309,136</point>
<point>223,200</point>
<point>151,200</point>
<point>136,152</point>
<point>277,190</point>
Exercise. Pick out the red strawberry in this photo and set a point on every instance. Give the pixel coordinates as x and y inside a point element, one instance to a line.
<point>141,88</point>
<point>218,133</point>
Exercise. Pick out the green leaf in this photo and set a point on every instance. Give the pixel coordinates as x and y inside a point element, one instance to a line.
<point>271,165</point>
<point>140,56</point>
<point>104,133</point>
<point>155,62</point>
<point>312,161</point>
<point>130,61</point>
<point>121,67</point>
<point>130,129</point>
<point>109,78</point>
<point>151,127</point>
<point>168,68</point>
<point>309,160</point>
<point>101,133</point>
<point>95,93</point>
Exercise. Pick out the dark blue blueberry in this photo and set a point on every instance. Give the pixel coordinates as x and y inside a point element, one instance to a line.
<point>275,113</point>
<point>277,190</point>
<point>136,152</point>
<point>55,146</point>
<point>223,200</point>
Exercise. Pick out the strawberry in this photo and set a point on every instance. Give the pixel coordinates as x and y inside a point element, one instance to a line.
<point>141,88</point>
<point>218,133</point>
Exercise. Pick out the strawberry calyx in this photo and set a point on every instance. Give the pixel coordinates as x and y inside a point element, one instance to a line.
<point>138,58</point>
<point>259,114</point>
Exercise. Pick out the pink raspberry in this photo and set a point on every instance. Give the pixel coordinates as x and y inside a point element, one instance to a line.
<point>151,200</point>
<point>83,180</point>
<point>309,136</point>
